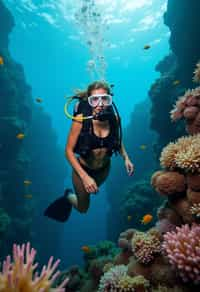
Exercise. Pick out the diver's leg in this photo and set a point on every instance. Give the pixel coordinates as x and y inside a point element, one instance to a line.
<point>81,199</point>
<point>102,175</point>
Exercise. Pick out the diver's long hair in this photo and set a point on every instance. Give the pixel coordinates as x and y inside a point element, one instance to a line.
<point>83,94</point>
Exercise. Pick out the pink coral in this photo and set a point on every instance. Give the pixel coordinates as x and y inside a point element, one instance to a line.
<point>19,275</point>
<point>183,250</point>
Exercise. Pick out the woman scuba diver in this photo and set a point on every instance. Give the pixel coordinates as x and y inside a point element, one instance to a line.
<point>95,135</point>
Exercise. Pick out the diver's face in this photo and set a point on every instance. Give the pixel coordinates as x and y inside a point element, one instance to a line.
<point>99,107</point>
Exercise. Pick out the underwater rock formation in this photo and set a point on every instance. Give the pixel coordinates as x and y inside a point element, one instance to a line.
<point>139,199</point>
<point>24,169</point>
<point>177,69</point>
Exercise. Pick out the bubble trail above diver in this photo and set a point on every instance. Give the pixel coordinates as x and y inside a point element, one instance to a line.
<point>92,25</point>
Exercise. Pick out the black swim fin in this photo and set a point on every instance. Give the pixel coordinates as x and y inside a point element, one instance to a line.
<point>60,209</point>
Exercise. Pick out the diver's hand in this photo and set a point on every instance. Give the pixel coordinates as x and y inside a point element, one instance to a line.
<point>90,184</point>
<point>129,166</point>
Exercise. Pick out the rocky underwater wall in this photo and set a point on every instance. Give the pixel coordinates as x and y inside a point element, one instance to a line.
<point>32,165</point>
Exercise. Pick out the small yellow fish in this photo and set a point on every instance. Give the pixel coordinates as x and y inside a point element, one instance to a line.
<point>28,196</point>
<point>27,182</point>
<point>129,217</point>
<point>176,82</point>
<point>146,47</point>
<point>20,136</point>
<point>85,249</point>
<point>39,100</point>
<point>146,219</point>
<point>1,61</point>
<point>143,147</point>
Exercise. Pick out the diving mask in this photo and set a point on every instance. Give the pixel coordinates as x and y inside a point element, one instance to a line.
<point>99,100</point>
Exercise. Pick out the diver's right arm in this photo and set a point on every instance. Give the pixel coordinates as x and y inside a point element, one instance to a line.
<point>89,183</point>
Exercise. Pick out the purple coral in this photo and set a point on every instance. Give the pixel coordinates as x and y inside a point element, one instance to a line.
<point>183,250</point>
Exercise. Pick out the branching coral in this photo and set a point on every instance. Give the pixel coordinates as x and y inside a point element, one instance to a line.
<point>184,154</point>
<point>146,245</point>
<point>196,77</point>
<point>116,279</point>
<point>183,250</point>
<point>20,275</point>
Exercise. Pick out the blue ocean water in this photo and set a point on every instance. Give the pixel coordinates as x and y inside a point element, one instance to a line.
<point>54,52</point>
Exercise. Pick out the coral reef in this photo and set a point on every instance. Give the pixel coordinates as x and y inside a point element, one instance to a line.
<point>183,155</point>
<point>116,279</point>
<point>146,245</point>
<point>20,274</point>
<point>196,77</point>
<point>183,250</point>
<point>188,108</point>
<point>195,210</point>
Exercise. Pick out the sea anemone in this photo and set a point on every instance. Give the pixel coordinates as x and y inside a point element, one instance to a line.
<point>183,251</point>
<point>116,279</point>
<point>168,154</point>
<point>184,154</point>
<point>196,77</point>
<point>145,246</point>
<point>195,210</point>
<point>110,280</point>
<point>20,275</point>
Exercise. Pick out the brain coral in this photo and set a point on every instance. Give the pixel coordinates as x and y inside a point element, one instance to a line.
<point>183,250</point>
<point>169,183</point>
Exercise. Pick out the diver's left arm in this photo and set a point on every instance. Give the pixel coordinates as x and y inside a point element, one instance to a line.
<point>128,164</point>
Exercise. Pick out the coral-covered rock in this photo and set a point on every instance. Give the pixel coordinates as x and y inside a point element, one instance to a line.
<point>190,112</point>
<point>135,268</point>
<point>170,183</point>
<point>193,181</point>
<point>182,207</point>
<point>161,272</point>
<point>123,257</point>
<point>164,225</point>
<point>193,197</point>
<point>165,212</point>
<point>155,176</point>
